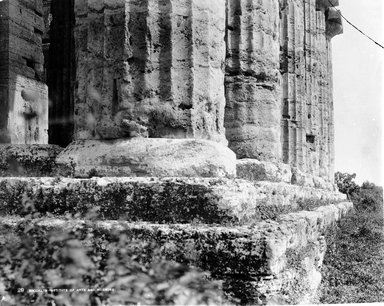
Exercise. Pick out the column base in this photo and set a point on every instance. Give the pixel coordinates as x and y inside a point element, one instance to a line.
<point>256,170</point>
<point>145,157</point>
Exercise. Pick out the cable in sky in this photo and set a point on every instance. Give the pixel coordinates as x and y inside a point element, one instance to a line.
<point>356,26</point>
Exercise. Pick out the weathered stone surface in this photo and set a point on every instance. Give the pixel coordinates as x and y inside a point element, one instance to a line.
<point>147,157</point>
<point>23,97</point>
<point>288,195</point>
<point>150,68</point>
<point>253,107</point>
<point>273,262</point>
<point>28,119</point>
<point>174,200</point>
<point>302,179</point>
<point>306,67</point>
<point>28,160</point>
<point>255,170</point>
<point>158,69</point>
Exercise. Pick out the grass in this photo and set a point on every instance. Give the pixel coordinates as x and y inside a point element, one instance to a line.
<point>353,269</point>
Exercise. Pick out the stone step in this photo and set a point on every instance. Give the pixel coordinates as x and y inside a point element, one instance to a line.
<point>171,200</point>
<point>51,160</point>
<point>255,170</point>
<point>271,262</point>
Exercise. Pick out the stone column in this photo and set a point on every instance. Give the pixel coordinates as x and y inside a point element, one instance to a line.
<point>253,111</point>
<point>315,54</point>
<point>334,26</point>
<point>150,79</point>
<point>23,95</point>
<point>307,123</point>
<point>292,68</point>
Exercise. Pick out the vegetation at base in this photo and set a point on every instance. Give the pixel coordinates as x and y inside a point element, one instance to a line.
<point>49,267</point>
<point>367,197</point>
<point>353,268</point>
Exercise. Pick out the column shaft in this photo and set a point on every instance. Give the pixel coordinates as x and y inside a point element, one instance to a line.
<point>253,111</point>
<point>151,68</point>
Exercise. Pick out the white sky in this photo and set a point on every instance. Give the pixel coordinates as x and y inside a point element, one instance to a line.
<point>358,68</point>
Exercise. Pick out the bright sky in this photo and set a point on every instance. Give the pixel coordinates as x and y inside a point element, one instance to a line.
<point>358,68</point>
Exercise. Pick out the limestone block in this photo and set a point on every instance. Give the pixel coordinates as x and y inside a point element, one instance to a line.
<point>25,38</point>
<point>24,104</point>
<point>147,157</point>
<point>274,262</point>
<point>173,200</point>
<point>23,96</point>
<point>302,179</point>
<point>28,118</point>
<point>150,68</point>
<point>254,170</point>
<point>253,111</point>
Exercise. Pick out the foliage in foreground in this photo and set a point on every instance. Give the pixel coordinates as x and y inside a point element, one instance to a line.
<point>353,268</point>
<point>45,267</point>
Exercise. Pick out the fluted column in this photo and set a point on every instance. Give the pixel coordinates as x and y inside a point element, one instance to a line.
<point>312,52</point>
<point>324,96</point>
<point>150,68</point>
<point>292,68</point>
<point>253,111</point>
<point>307,119</point>
<point>150,75</point>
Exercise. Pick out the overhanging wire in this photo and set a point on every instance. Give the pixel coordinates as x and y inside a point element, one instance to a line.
<point>341,15</point>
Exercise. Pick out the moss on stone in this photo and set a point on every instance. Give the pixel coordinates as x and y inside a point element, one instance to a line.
<point>28,160</point>
<point>173,200</point>
<point>248,259</point>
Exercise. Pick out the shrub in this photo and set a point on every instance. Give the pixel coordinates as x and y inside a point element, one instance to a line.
<point>40,266</point>
<point>345,183</point>
<point>368,196</point>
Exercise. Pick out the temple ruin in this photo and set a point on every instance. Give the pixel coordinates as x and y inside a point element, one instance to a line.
<point>254,75</point>
<point>235,92</point>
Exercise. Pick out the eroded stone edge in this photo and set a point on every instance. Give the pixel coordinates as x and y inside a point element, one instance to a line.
<point>260,255</point>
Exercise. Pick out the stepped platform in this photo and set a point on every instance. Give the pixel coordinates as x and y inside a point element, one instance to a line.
<point>261,234</point>
<point>48,161</point>
<point>272,262</point>
<point>174,200</point>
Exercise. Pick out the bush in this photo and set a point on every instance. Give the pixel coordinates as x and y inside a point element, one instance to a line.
<point>39,266</point>
<point>368,196</point>
<point>345,183</point>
